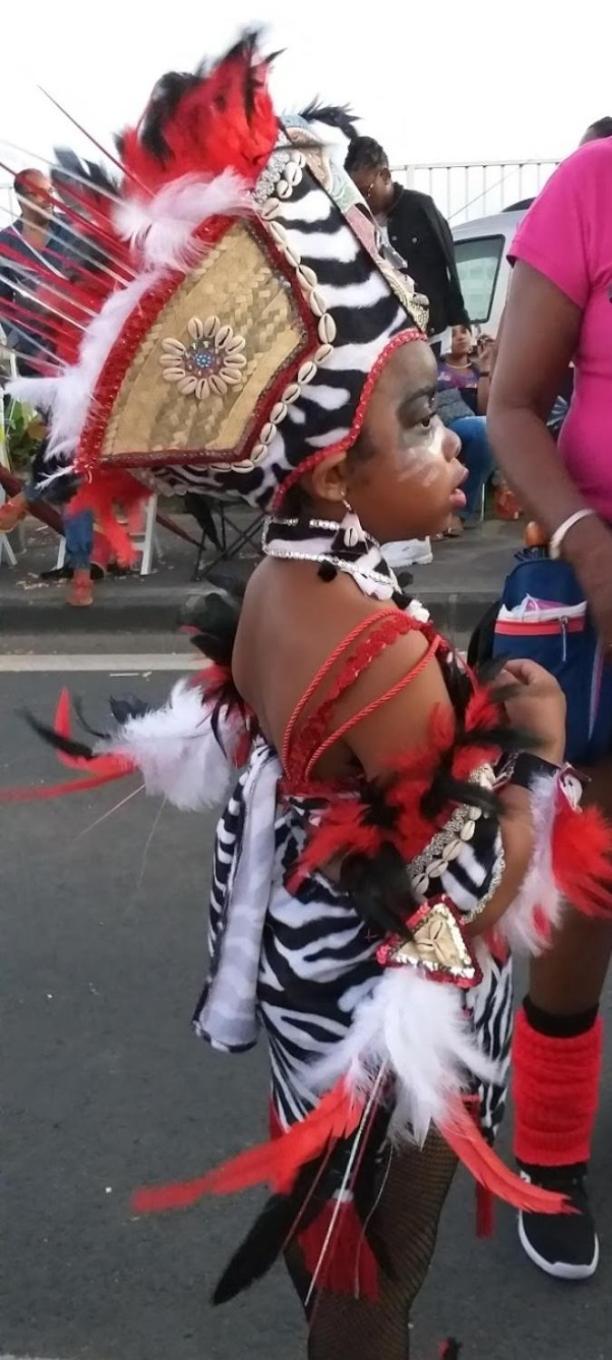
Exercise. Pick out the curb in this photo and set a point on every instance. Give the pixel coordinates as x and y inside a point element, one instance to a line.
<point>160,611</point>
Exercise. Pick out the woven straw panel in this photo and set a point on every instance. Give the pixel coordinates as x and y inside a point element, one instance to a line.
<point>238,283</point>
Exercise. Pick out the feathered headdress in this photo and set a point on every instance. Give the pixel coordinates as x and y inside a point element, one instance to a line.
<point>223,304</point>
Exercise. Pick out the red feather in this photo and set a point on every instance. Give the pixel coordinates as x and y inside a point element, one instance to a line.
<point>276,1162</point>
<point>582,858</point>
<point>226,121</point>
<point>468,1144</point>
<point>101,495</point>
<point>106,765</point>
<point>35,795</point>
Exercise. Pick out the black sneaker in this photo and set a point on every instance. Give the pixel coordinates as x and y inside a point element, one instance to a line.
<point>563,1245</point>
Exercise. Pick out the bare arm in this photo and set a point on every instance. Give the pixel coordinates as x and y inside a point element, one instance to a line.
<point>403,724</point>
<point>538,340</point>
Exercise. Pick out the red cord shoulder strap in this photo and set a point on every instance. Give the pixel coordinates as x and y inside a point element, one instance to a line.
<point>303,747</point>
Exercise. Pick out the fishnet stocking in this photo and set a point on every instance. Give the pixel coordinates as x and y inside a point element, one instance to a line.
<point>407,1216</point>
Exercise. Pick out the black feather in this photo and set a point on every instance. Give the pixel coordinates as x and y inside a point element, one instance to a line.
<point>379,887</point>
<point>333,115</point>
<point>281,1217</point>
<point>77,705</point>
<point>52,738</point>
<point>213,617</point>
<point>259,1250</point>
<point>68,164</point>
<point>162,106</point>
<point>129,707</point>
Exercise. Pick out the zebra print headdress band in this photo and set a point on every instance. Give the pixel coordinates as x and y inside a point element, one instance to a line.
<point>256,311</point>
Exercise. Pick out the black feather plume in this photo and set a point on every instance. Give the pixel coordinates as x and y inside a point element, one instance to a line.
<point>77,705</point>
<point>333,115</point>
<point>129,707</point>
<point>52,738</point>
<point>274,1227</point>
<point>164,101</point>
<point>379,887</point>
<point>213,621</point>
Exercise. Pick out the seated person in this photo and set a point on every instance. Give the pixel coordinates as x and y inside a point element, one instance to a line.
<point>463,391</point>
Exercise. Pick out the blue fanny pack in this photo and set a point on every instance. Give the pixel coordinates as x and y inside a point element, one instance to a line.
<point>543,616</point>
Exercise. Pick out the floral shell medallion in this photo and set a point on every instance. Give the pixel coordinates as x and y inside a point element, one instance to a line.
<point>211,361</point>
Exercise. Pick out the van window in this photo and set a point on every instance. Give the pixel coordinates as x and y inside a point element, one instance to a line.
<point>478,262</point>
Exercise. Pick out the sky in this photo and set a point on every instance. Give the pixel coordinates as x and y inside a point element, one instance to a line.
<point>433,82</point>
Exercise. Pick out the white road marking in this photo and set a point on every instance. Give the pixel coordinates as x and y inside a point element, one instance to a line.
<point>129,664</point>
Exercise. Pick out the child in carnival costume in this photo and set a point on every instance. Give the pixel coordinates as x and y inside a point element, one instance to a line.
<point>391,826</point>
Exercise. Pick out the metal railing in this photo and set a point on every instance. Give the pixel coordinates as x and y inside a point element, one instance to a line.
<point>469,189</point>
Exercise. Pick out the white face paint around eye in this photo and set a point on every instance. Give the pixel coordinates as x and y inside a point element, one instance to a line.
<point>423,459</point>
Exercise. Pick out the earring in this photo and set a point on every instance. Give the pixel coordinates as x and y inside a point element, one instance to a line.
<point>351,526</point>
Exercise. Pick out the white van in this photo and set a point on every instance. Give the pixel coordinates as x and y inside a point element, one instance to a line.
<point>481,248</point>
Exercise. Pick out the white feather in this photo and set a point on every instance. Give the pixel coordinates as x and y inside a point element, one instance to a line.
<point>176,749</point>
<point>75,388</point>
<point>420,1031</point>
<point>39,392</point>
<point>163,226</point>
<point>518,925</point>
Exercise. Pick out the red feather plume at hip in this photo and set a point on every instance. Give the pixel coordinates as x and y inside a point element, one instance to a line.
<point>276,1162</point>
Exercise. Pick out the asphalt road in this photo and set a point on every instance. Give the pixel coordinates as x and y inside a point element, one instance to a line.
<point>104,1087</point>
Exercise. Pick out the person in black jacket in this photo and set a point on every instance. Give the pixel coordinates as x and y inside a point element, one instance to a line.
<point>415,229</point>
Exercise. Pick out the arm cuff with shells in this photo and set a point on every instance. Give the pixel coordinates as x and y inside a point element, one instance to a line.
<point>465,859</point>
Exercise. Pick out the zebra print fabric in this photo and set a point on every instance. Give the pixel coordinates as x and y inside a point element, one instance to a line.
<point>299,963</point>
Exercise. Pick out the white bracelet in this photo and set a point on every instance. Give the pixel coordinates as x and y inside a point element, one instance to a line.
<point>558,538</point>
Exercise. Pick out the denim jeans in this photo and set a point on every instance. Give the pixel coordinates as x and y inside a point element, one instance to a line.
<point>78,532</point>
<point>477,456</point>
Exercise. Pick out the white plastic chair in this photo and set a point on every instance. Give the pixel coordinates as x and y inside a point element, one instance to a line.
<point>145,543</point>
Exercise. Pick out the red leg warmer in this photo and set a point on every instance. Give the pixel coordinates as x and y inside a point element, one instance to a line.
<point>556,1089</point>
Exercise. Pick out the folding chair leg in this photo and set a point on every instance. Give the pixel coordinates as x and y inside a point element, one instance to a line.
<point>7,551</point>
<point>149,536</point>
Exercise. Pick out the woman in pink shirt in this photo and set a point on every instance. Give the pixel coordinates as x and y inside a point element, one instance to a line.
<point>559,312</point>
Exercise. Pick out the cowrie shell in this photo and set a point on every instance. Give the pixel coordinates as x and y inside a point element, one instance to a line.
<point>291,393</point>
<point>222,335</point>
<point>173,346</point>
<point>293,256</point>
<point>307,372</point>
<point>267,433</point>
<point>195,328</point>
<point>317,302</point>
<point>202,389</point>
<point>257,452</point>
<point>322,353</point>
<point>293,173</point>
<point>278,233</point>
<point>270,209</point>
<point>217,384</point>
<point>307,276</point>
<point>327,329</point>
<point>278,412</point>
<point>230,376</point>
<point>283,189</point>
<point>187,386</point>
<point>173,374</point>
<point>211,324</point>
